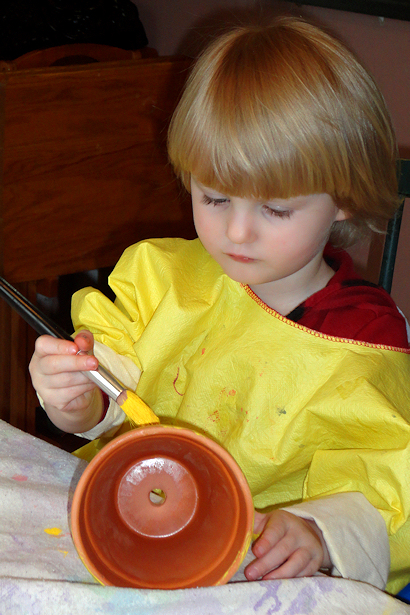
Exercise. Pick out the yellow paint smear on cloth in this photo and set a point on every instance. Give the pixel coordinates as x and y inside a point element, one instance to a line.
<point>53,531</point>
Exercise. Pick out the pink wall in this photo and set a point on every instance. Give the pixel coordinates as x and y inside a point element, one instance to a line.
<point>383,45</point>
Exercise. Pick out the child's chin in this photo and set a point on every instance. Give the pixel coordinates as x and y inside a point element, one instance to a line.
<point>242,280</point>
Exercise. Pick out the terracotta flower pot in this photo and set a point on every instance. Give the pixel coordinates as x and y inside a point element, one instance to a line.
<point>162,507</point>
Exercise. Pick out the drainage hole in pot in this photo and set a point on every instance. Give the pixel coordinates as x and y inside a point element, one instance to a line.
<point>157,497</point>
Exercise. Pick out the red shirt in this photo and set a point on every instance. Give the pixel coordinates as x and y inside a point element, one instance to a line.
<point>351,307</point>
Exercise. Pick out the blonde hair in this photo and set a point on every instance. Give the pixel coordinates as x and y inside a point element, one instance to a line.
<point>285,110</point>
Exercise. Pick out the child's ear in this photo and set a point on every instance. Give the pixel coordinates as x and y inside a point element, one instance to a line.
<point>342,215</point>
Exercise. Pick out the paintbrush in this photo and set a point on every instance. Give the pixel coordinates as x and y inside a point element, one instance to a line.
<point>136,410</point>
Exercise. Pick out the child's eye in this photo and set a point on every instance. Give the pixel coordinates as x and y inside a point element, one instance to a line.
<point>278,213</point>
<point>210,201</point>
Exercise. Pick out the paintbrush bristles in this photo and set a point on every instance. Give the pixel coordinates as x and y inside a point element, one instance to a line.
<point>137,411</point>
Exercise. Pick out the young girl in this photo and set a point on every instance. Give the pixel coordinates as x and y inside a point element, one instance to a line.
<point>259,333</point>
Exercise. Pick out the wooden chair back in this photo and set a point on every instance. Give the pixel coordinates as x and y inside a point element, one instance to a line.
<point>393,230</point>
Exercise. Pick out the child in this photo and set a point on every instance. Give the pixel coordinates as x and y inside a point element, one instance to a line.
<point>259,333</point>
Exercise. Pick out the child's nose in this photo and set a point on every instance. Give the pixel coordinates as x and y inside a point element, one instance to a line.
<point>240,227</point>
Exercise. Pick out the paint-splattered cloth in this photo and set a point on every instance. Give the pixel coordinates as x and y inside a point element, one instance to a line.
<point>41,574</point>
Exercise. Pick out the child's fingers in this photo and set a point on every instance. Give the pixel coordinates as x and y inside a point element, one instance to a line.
<point>259,522</point>
<point>64,398</point>
<point>48,345</point>
<point>67,364</point>
<point>284,561</point>
<point>272,558</point>
<point>84,340</point>
<point>272,529</point>
<point>299,564</point>
<point>57,355</point>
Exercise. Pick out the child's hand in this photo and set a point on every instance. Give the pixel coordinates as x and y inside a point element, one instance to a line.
<point>287,547</point>
<point>71,400</point>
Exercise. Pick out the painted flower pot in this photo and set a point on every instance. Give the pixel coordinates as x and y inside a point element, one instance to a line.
<point>162,507</point>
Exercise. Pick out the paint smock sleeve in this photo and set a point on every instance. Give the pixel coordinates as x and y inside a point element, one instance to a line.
<point>355,535</point>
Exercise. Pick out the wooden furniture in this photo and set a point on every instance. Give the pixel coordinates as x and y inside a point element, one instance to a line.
<point>84,174</point>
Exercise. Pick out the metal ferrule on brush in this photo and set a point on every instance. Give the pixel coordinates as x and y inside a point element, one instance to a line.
<point>106,381</point>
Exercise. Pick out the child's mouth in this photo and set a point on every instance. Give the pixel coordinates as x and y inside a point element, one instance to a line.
<point>241,259</point>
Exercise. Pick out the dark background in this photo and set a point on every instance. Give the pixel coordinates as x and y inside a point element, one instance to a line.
<point>396,9</point>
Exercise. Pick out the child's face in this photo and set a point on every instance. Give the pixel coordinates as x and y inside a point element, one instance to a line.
<point>265,243</point>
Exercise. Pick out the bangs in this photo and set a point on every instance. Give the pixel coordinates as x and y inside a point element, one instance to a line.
<point>254,127</point>
<point>259,170</point>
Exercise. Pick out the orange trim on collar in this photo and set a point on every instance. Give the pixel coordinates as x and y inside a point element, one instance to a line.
<point>331,338</point>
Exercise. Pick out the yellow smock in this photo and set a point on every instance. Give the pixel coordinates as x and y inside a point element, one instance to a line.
<point>304,414</point>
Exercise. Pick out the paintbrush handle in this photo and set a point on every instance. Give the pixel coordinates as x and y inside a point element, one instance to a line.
<point>41,323</point>
<point>31,314</point>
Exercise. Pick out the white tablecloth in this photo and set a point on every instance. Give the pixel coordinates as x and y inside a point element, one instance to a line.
<point>41,574</point>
